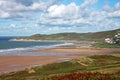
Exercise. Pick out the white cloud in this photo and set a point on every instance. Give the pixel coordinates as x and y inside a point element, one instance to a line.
<point>56,11</point>
<point>4,14</point>
<point>37,6</point>
<point>60,15</point>
<point>65,15</point>
<point>12,25</point>
<point>63,11</point>
<point>114,14</point>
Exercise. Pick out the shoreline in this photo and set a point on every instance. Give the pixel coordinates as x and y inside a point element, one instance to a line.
<point>34,47</point>
<point>59,54</point>
<point>17,63</point>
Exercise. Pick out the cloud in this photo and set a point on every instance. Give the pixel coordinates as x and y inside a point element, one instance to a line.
<point>88,2</point>
<point>116,11</point>
<point>115,14</point>
<point>17,8</point>
<point>64,15</point>
<point>49,17</point>
<point>62,10</point>
<point>4,14</point>
<point>37,6</point>
<point>117,6</point>
<point>81,16</point>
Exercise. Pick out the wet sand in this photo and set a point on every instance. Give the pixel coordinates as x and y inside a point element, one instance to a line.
<point>78,50</point>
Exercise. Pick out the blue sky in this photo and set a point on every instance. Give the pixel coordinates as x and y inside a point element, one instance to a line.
<point>27,17</point>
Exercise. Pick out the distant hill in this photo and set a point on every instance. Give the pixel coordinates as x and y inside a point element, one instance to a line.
<point>97,36</point>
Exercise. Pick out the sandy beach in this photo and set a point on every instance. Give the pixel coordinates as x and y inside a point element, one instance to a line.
<point>15,63</point>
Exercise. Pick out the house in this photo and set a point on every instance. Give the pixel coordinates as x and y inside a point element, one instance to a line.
<point>109,41</point>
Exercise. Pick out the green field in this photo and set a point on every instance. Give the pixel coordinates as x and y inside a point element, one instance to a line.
<point>101,67</point>
<point>105,45</point>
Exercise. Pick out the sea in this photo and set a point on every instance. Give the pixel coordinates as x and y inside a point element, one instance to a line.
<point>20,47</point>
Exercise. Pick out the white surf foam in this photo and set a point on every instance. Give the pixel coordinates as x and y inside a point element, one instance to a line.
<point>17,50</point>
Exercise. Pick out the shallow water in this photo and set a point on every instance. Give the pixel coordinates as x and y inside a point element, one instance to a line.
<point>20,48</point>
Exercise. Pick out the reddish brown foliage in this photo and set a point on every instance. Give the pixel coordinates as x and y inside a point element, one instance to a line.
<point>86,76</point>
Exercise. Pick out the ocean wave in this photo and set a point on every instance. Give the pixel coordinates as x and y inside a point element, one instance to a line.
<point>14,49</point>
<point>34,47</point>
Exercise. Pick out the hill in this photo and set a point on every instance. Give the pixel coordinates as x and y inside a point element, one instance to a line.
<point>97,36</point>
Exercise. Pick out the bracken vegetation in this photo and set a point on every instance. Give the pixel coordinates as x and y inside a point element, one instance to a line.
<point>85,76</point>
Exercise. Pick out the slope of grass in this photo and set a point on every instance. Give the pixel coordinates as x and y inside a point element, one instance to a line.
<point>105,45</point>
<point>97,36</point>
<point>98,66</point>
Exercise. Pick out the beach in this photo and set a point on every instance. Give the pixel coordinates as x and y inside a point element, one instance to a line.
<point>51,55</point>
<point>17,63</point>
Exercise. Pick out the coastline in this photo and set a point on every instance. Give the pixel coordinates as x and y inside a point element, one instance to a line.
<point>33,40</point>
<point>34,45</point>
<point>62,53</point>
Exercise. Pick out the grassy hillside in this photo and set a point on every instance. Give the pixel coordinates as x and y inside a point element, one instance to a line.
<point>98,36</point>
<point>96,67</point>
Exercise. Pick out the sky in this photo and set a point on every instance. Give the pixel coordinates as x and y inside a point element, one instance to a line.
<point>28,17</point>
